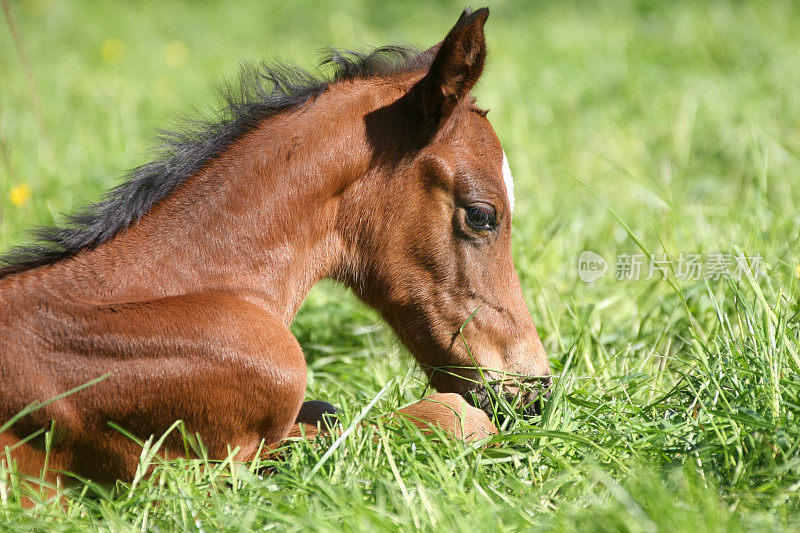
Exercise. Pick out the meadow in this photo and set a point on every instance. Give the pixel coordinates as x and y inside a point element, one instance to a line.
<point>662,137</point>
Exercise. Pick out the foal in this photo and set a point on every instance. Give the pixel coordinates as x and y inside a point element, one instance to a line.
<point>181,284</point>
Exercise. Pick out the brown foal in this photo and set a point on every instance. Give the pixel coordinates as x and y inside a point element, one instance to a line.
<point>181,284</point>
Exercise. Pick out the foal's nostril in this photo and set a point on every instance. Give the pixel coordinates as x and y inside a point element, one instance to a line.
<point>537,395</point>
<point>547,387</point>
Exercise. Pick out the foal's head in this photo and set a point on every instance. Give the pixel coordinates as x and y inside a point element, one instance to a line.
<point>438,258</point>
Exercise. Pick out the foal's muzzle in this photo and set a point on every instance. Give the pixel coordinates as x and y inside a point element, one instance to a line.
<point>527,398</point>
<point>533,400</point>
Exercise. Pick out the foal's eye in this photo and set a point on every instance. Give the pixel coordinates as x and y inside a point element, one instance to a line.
<point>481,216</point>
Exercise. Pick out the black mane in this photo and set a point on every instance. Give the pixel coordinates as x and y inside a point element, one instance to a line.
<point>263,91</point>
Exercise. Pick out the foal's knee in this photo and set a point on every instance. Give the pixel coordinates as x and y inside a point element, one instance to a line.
<point>292,390</point>
<point>274,389</point>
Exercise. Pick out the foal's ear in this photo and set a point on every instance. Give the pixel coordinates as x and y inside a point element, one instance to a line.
<point>456,68</point>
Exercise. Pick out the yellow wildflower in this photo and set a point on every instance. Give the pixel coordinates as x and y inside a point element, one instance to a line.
<point>112,50</point>
<point>176,54</point>
<point>20,194</point>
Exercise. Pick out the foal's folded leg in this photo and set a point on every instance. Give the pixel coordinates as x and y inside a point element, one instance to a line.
<point>228,369</point>
<point>450,413</point>
<point>446,412</point>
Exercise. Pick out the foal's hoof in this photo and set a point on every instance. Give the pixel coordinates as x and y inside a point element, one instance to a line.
<point>314,417</point>
<point>313,412</point>
<point>451,413</point>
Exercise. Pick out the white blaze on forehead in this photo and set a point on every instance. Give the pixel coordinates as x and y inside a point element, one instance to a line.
<point>509,181</point>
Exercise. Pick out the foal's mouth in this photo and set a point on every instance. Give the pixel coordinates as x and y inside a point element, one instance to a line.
<point>500,394</point>
<point>525,397</point>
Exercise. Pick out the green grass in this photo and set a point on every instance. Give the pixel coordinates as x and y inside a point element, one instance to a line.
<point>661,127</point>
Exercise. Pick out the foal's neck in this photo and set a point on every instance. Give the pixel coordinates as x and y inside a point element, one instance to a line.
<point>260,221</point>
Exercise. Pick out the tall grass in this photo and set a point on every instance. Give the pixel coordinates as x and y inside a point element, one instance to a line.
<point>634,127</point>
